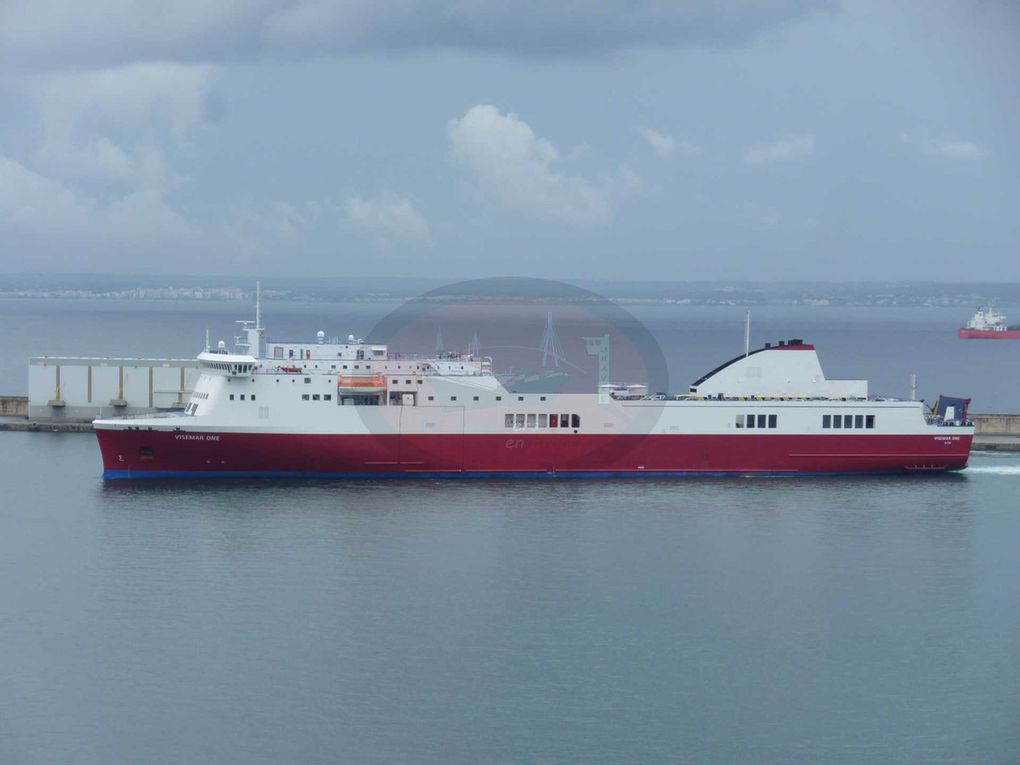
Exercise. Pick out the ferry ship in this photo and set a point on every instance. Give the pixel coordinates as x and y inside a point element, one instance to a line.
<point>353,409</point>
<point>988,324</point>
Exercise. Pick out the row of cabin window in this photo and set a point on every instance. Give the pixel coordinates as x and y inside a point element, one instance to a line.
<point>757,421</point>
<point>522,421</point>
<point>252,397</point>
<point>846,421</point>
<point>316,397</point>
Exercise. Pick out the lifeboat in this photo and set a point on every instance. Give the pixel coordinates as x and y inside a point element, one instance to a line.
<point>361,384</point>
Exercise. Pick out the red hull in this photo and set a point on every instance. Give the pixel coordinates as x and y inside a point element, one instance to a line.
<point>988,334</point>
<point>134,453</point>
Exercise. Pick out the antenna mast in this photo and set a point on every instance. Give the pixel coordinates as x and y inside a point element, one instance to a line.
<point>747,334</point>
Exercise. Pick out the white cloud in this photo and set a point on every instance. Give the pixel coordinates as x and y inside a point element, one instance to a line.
<point>41,213</point>
<point>661,144</point>
<point>790,147</point>
<point>934,147</point>
<point>114,126</point>
<point>519,169</point>
<point>389,219</point>
<point>665,145</point>
<point>30,201</point>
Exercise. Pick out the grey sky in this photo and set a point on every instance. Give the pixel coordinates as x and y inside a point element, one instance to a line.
<point>764,139</point>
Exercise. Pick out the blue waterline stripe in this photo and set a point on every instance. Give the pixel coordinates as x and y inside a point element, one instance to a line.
<point>114,475</point>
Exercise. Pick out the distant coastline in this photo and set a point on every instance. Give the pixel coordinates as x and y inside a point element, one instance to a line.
<point>398,290</point>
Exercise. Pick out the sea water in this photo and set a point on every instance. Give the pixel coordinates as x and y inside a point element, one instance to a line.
<point>856,620</point>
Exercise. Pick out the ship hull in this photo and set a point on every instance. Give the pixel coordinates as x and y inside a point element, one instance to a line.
<point>988,334</point>
<point>169,454</point>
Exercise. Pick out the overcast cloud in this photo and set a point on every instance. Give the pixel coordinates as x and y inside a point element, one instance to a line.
<point>748,139</point>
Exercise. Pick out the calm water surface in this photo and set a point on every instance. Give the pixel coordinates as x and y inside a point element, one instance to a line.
<point>705,621</point>
<point>745,620</point>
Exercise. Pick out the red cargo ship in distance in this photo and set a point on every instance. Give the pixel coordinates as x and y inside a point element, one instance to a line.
<point>353,410</point>
<point>988,324</point>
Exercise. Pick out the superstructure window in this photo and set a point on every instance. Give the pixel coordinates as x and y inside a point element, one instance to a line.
<point>315,397</point>
<point>740,421</point>
<point>564,420</point>
<point>837,421</point>
<point>520,398</point>
<point>242,397</point>
<point>543,421</point>
<point>575,420</point>
<point>508,421</point>
<point>327,396</point>
<point>532,421</point>
<point>773,420</point>
<point>870,420</point>
<point>858,420</point>
<point>453,398</point>
<point>304,396</point>
<point>848,420</point>
<point>519,421</point>
<point>231,396</point>
<point>553,420</point>
<point>761,420</point>
<point>826,420</point>
<point>308,379</point>
<point>750,420</point>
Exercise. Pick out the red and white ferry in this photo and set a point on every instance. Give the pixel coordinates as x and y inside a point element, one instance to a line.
<point>352,409</point>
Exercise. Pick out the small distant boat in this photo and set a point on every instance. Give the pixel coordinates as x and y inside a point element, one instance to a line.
<point>988,324</point>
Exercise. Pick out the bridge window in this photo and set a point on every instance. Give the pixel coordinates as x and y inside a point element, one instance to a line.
<point>826,420</point>
<point>870,420</point>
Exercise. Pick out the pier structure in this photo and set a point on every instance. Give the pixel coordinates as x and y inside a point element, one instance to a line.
<point>66,388</point>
